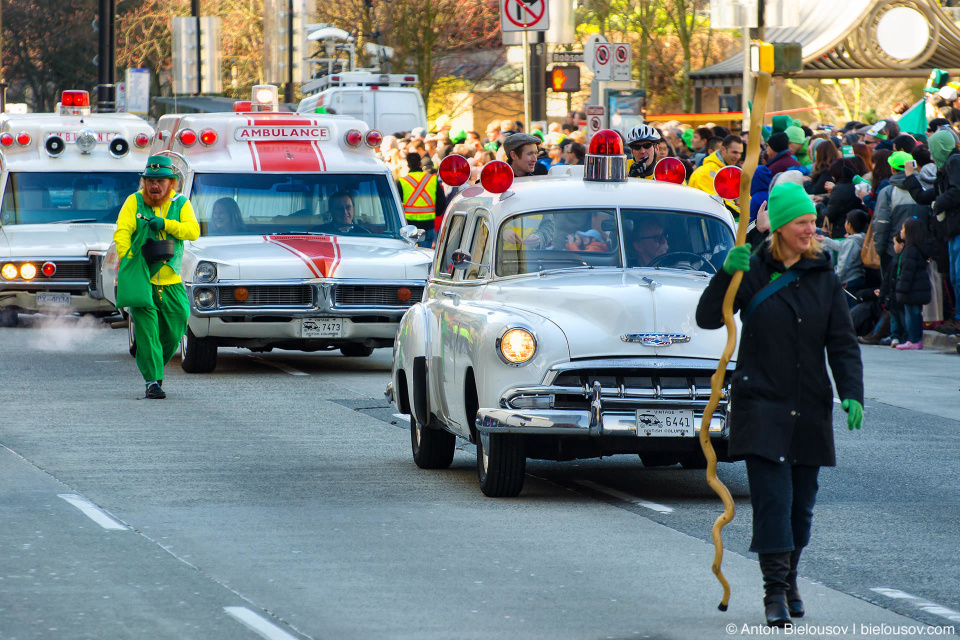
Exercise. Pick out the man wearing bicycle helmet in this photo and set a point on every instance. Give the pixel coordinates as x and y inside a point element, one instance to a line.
<point>642,140</point>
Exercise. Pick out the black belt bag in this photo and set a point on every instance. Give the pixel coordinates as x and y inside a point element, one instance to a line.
<point>157,250</point>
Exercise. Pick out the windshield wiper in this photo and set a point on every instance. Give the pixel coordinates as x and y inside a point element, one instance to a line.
<point>76,220</point>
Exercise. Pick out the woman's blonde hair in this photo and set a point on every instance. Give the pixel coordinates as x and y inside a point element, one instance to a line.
<point>776,250</point>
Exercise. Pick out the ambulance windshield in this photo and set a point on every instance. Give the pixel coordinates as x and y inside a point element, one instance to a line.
<point>44,198</point>
<point>274,204</point>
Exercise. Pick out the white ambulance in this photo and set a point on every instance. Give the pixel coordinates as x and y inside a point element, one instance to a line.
<point>302,241</point>
<point>63,178</point>
<point>389,102</point>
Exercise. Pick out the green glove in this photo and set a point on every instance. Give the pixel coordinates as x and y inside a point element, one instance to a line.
<point>156,223</point>
<point>738,259</point>
<point>854,413</point>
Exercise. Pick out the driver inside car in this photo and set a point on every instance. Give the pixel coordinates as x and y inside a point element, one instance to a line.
<point>341,212</point>
<point>649,242</point>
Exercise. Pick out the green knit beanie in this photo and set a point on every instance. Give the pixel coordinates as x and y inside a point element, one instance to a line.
<point>787,202</point>
<point>780,123</point>
<point>795,134</point>
<point>687,137</point>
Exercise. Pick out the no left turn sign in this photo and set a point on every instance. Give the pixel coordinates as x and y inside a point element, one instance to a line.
<point>524,15</point>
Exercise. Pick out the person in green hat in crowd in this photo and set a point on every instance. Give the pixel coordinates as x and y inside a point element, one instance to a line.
<point>687,137</point>
<point>798,144</point>
<point>795,320</point>
<point>149,281</point>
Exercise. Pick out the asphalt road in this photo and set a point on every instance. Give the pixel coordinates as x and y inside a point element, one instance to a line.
<point>277,498</point>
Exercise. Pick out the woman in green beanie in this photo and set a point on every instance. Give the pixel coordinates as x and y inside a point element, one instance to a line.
<point>794,318</point>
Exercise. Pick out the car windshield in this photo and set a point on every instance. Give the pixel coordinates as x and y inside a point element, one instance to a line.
<point>270,204</point>
<point>44,198</point>
<point>590,238</point>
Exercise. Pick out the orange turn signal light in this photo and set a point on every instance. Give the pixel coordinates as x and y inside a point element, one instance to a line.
<point>241,294</point>
<point>403,294</point>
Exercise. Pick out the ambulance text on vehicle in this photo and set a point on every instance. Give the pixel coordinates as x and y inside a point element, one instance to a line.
<point>63,178</point>
<point>302,243</point>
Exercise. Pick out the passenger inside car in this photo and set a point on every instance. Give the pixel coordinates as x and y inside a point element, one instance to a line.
<point>225,218</point>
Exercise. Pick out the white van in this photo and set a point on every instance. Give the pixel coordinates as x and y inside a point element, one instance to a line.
<point>390,103</point>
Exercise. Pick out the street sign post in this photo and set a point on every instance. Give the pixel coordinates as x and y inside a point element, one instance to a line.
<point>566,57</point>
<point>621,62</point>
<point>524,15</point>
<point>138,91</point>
<point>596,119</point>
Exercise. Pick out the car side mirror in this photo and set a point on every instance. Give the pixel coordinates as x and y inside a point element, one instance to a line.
<point>460,259</point>
<point>412,234</point>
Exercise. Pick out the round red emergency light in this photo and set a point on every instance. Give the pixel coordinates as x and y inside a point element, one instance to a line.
<point>353,138</point>
<point>187,137</point>
<point>454,170</point>
<point>670,170</point>
<point>727,182</point>
<point>141,140</point>
<point>6,139</point>
<point>496,176</point>
<point>23,138</point>
<point>75,99</point>
<point>373,138</point>
<point>606,142</point>
<point>208,137</point>
<point>242,106</point>
<point>48,269</point>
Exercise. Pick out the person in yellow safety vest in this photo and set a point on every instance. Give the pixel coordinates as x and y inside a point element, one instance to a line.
<point>424,200</point>
<point>728,153</point>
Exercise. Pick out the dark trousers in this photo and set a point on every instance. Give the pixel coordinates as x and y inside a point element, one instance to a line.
<point>782,496</point>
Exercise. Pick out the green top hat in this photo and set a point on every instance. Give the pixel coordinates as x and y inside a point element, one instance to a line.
<point>159,167</point>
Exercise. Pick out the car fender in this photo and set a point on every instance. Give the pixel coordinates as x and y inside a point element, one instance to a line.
<point>410,347</point>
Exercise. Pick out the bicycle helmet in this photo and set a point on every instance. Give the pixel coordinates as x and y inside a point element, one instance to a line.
<point>642,133</point>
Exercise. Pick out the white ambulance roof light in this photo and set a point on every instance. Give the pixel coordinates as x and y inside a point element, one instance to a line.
<point>373,138</point>
<point>266,97</point>
<point>353,138</point>
<point>242,106</point>
<point>74,103</point>
<point>86,140</point>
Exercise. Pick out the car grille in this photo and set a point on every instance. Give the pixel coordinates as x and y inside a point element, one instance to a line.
<point>631,387</point>
<point>70,271</point>
<point>375,296</point>
<point>268,295</point>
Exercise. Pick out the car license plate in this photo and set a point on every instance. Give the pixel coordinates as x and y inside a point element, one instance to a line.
<point>53,299</point>
<point>321,328</point>
<point>665,423</point>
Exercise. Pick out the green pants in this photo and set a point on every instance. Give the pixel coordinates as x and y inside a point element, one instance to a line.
<point>158,331</point>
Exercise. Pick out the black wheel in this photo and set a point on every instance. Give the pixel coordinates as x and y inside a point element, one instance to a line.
<point>9,317</point>
<point>432,448</point>
<point>501,464</point>
<point>131,337</point>
<point>197,355</point>
<point>694,460</point>
<point>356,351</point>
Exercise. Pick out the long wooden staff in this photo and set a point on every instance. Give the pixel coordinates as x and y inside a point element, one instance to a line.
<point>717,380</point>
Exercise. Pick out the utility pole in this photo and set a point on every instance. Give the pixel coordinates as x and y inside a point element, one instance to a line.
<point>288,86</point>
<point>106,58</point>
<point>3,83</point>
<point>195,12</point>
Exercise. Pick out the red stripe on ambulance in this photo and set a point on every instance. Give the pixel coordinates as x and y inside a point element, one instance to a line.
<point>321,254</point>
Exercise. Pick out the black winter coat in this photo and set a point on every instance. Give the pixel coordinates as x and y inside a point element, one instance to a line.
<point>913,283</point>
<point>781,399</point>
<point>842,200</point>
<point>945,194</point>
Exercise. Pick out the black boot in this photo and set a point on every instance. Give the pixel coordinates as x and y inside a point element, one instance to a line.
<point>775,567</point>
<point>794,603</point>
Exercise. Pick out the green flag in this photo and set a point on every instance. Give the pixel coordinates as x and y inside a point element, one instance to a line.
<point>914,119</point>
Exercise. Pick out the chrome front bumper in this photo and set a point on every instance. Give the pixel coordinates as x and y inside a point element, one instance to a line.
<point>576,423</point>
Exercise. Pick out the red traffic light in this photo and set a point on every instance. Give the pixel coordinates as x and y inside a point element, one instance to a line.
<point>565,79</point>
<point>727,182</point>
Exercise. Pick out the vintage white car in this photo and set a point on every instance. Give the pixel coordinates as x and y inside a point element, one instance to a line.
<point>558,322</point>
<point>272,267</point>
<point>63,177</point>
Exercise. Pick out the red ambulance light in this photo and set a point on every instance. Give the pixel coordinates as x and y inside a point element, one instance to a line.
<point>48,269</point>
<point>75,99</point>
<point>23,138</point>
<point>409,78</point>
<point>187,137</point>
<point>208,137</point>
<point>670,170</point>
<point>242,106</point>
<point>496,176</point>
<point>454,170</point>
<point>141,140</point>
<point>727,183</point>
<point>353,138</point>
<point>373,138</point>
<point>6,139</point>
<point>606,142</point>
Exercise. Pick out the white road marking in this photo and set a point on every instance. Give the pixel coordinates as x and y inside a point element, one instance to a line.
<point>259,624</point>
<point>923,605</point>
<point>279,365</point>
<point>626,497</point>
<point>93,512</point>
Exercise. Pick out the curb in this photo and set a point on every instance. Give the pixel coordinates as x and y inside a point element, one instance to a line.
<point>941,341</point>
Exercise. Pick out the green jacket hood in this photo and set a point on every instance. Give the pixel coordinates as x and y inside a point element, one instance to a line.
<point>941,144</point>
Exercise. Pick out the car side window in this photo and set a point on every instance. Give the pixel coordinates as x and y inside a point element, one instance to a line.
<point>479,251</point>
<point>450,242</point>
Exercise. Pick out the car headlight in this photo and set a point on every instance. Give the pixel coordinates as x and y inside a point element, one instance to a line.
<point>205,298</point>
<point>517,346</point>
<point>10,271</point>
<point>205,272</point>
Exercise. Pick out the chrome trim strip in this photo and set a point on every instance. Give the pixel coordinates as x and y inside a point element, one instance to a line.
<point>576,423</point>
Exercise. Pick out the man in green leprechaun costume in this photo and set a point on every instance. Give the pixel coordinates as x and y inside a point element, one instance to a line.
<point>148,282</point>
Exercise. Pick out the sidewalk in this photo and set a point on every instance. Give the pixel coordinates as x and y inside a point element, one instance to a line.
<point>940,341</point>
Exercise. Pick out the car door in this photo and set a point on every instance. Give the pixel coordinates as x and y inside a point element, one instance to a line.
<point>443,297</point>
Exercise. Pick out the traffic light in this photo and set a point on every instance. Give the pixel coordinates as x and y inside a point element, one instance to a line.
<point>564,79</point>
